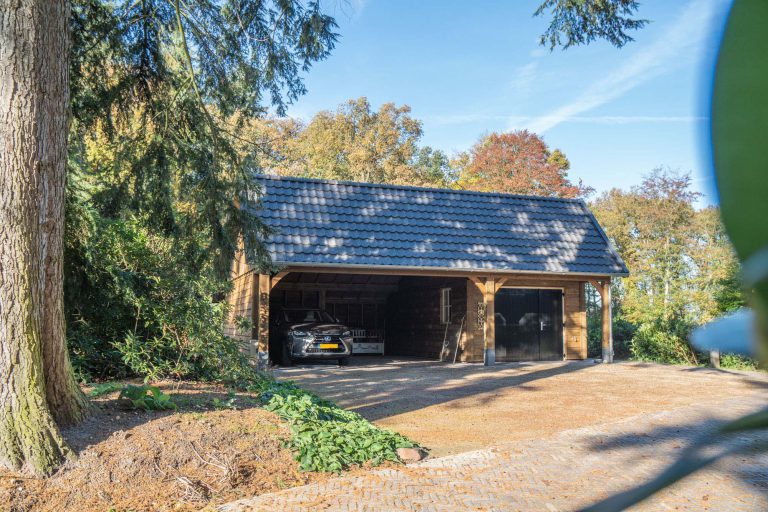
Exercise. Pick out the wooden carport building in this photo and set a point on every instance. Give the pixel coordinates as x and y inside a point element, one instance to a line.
<point>486,277</point>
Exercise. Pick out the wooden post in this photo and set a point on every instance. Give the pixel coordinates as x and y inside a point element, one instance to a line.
<point>265,287</point>
<point>714,358</point>
<point>605,296</point>
<point>489,327</point>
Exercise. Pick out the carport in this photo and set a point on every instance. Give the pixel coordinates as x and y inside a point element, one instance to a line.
<point>429,272</point>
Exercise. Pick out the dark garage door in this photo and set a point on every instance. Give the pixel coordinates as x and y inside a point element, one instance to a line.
<point>529,324</point>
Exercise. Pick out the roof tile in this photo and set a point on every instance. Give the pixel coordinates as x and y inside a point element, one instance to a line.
<point>333,222</point>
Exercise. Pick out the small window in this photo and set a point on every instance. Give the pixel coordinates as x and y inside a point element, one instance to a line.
<point>445,305</point>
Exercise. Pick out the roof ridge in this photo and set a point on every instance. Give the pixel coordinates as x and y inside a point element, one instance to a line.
<point>415,188</point>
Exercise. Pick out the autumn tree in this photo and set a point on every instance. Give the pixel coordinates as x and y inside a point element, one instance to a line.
<point>682,267</point>
<point>715,268</point>
<point>153,85</point>
<point>517,162</point>
<point>357,143</point>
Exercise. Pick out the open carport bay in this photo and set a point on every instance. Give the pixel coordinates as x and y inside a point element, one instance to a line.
<point>388,314</point>
<point>453,408</point>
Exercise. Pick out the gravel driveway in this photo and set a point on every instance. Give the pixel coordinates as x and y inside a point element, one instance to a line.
<point>543,436</point>
<point>454,408</point>
<point>563,472</point>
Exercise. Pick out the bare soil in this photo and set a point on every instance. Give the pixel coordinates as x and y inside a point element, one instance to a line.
<point>181,460</point>
<point>456,408</point>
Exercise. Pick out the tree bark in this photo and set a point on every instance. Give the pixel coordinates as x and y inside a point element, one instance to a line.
<point>36,382</point>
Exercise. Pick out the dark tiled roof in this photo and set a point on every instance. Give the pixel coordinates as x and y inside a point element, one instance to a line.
<point>345,223</point>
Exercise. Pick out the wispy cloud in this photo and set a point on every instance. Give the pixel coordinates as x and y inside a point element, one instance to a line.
<point>515,122</point>
<point>524,78</point>
<point>679,39</point>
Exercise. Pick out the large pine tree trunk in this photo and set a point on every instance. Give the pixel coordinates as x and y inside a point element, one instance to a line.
<point>35,374</point>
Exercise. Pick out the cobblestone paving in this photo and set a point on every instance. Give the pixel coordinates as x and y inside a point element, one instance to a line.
<point>569,470</point>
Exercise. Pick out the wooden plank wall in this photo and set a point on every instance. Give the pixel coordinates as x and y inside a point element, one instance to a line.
<point>240,301</point>
<point>472,343</point>
<point>575,317</point>
<point>413,315</point>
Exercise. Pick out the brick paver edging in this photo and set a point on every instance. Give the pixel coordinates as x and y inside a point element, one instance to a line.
<point>570,470</point>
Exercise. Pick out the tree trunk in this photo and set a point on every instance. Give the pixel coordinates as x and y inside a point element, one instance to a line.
<point>35,373</point>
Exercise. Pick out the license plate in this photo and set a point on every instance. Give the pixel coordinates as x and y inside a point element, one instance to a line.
<point>329,345</point>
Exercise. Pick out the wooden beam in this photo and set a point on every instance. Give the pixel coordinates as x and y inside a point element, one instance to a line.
<point>265,287</point>
<point>607,323</point>
<point>380,288</point>
<point>489,326</point>
<point>277,277</point>
<point>321,299</point>
<point>500,282</point>
<point>478,282</point>
<point>356,270</point>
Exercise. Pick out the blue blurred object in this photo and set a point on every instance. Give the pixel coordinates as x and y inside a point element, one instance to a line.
<point>732,334</point>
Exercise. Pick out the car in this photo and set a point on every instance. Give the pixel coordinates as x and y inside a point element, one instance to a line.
<point>310,333</point>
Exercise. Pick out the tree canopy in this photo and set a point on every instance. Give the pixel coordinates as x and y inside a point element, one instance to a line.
<point>517,162</point>
<point>353,142</point>
<point>683,270</point>
<point>160,92</point>
<point>579,22</point>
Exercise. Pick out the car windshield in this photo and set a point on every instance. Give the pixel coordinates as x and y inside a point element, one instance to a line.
<point>294,316</point>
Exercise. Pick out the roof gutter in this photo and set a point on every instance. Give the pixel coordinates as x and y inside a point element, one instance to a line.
<point>284,265</point>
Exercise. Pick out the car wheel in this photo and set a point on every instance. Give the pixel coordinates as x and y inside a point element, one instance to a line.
<point>285,359</point>
<point>344,361</point>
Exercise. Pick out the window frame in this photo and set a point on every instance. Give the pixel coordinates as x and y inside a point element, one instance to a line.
<point>445,306</point>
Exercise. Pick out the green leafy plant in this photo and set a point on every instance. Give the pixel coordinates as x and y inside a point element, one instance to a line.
<point>229,403</point>
<point>327,438</point>
<point>148,398</point>
<point>106,388</point>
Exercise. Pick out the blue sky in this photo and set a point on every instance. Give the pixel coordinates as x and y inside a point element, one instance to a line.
<point>469,68</point>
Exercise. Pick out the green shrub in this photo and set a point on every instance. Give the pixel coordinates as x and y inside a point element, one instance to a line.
<point>664,343</point>
<point>144,304</point>
<point>738,362</point>
<point>326,437</point>
<point>623,332</point>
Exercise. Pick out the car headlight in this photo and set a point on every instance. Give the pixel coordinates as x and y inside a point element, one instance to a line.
<point>300,334</point>
<point>347,334</point>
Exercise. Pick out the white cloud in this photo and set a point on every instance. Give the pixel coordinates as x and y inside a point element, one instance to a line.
<point>679,40</point>
<point>524,78</point>
<point>519,122</point>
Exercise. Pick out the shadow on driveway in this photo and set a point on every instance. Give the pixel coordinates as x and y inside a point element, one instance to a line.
<point>381,387</point>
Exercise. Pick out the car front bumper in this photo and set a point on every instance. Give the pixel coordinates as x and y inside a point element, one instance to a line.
<point>317,349</point>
